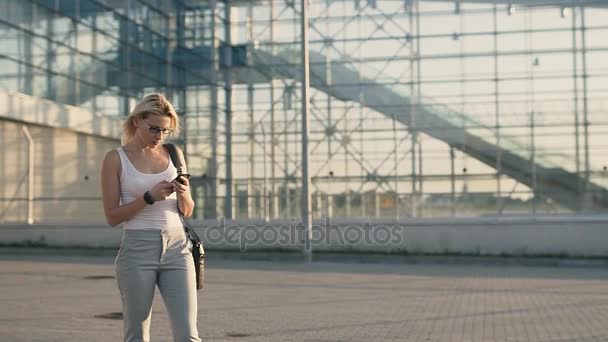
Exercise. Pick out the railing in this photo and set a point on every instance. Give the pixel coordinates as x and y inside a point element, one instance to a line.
<point>366,75</point>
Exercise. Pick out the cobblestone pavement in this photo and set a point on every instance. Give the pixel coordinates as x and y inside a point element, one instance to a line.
<point>53,298</point>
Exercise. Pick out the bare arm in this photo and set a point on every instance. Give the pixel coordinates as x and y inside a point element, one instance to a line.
<point>110,189</point>
<point>184,197</point>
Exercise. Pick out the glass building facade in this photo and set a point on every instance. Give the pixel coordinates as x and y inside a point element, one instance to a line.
<point>418,108</point>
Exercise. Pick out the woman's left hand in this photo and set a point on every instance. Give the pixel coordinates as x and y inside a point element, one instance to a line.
<point>180,188</point>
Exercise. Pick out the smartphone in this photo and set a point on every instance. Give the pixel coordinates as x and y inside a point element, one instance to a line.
<point>179,178</point>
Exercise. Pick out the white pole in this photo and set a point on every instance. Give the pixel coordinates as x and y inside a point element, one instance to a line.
<point>306,199</point>
<point>30,175</point>
<point>265,187</point>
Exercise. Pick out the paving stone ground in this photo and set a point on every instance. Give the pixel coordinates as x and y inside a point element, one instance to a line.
<point>49,298</point>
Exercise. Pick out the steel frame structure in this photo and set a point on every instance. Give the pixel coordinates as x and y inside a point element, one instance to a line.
<point>406,141</point>
<point>489,63</point>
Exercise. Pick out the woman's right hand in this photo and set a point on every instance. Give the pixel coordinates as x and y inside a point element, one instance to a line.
<point>161,190</point>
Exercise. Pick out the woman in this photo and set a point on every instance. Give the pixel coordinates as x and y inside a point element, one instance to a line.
<point>140,190</point>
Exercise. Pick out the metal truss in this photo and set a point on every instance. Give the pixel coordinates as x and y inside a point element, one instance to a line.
<point>249,111</point>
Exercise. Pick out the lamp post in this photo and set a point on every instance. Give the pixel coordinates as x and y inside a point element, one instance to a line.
<point>265,186</point>
<point>306,199</point>
<point>330,196</point>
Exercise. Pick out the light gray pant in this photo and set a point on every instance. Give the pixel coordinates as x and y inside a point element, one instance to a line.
<point>157,257</point>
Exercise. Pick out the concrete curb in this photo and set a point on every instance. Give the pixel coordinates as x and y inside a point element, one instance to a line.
<point>323,257</point>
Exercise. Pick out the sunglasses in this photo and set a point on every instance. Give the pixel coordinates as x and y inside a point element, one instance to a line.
<point>155,129</point>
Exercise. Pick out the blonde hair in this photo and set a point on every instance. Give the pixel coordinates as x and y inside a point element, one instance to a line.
<point>152,104</point>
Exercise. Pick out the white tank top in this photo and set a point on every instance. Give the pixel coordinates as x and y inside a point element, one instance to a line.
<point>133,184</point>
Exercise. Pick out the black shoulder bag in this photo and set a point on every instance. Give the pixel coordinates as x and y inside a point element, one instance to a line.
<point>198,252</point>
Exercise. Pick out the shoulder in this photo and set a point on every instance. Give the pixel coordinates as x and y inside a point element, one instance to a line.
<point>112,156</point>
<point>112,159</point>
<point>180,155</point>
<point>179,151</point>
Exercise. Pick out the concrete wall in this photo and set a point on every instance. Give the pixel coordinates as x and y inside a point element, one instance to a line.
<point>66,173</point>
<point>522,236</point>
<point>69,146</point>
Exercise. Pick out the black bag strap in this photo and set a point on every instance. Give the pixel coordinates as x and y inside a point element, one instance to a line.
<point>174,158</point>
<point>178,165</point>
